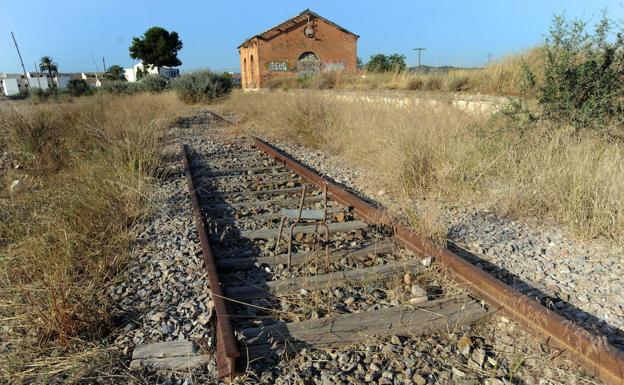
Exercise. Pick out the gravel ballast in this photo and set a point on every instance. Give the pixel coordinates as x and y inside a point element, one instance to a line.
<point>166,297</point>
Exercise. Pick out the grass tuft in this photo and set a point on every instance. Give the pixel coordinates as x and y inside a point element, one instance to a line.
<point>86,167</point>
<point>453,158</point>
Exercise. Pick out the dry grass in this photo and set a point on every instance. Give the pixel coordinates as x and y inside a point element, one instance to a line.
<point>503,77</point>
<point>449,157</point>
<point>67,232</point>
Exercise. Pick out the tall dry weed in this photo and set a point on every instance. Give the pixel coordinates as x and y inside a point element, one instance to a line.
<point>67,232</point>
<point>454,158</point>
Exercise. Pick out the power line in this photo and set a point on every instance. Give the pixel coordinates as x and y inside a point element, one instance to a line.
<point>419,51</point>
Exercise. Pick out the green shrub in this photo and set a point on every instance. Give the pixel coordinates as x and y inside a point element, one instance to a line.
<point>584,75</point>
<point>39,96</point>
<point>202,86</point>
<point>383,63</point>
<point>154,83</point>
<point>120,87</point>
<point>78,87</point>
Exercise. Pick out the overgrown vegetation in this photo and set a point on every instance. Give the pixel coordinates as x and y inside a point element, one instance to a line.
<point>78,87</point>
<point>202,86</point>
<point>66,229</point>
<point>389,63</point>
<point>447,156</point>
<point>154,83</point>
<point>504,77</point>
<point>584,76</point>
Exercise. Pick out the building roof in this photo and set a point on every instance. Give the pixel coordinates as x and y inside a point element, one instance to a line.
<point>286,25</point>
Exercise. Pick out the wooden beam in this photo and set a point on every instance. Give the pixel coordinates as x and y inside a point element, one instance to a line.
<point>279,191</point>
<point>252,176</point>
<point>377,248</point>
<point>229,219</point>
<point>323,281</point>
<point>173,355</point>
<point>348,329</point>
<point>337,227</point>
<point>261,203</point>
<point>241,170</point>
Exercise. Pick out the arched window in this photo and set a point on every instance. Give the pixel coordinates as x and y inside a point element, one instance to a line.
<point>308,56</point>
<point>245,74</point>
<point>253,79</point>
<point>308,63</point>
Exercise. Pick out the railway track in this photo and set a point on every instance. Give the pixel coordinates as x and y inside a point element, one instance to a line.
<point>353,272</point>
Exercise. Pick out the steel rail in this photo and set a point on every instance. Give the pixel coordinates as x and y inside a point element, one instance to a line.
<point>227,348</point>
<point>593,352</point>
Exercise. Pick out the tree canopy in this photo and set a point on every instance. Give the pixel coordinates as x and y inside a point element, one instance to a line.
<point>157,47</point>
<point>46,64</point>
<point>383,63</point>
<point>116,72</point>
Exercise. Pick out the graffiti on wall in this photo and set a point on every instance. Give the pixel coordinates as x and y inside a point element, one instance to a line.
<point>334,66</point>
<point>278,66</point>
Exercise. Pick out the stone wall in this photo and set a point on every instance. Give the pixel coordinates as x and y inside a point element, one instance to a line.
<point>472,103</point>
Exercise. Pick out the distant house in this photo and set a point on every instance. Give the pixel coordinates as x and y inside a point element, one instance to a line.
<point>168,72</point>
<point>14,83</point>
<point>236,78</point>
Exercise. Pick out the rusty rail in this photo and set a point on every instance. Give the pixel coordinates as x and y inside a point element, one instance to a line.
<point>227,348</point>
<point>593,352</point>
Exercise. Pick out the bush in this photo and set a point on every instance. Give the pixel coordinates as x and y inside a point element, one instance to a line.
<point>154,83</point>
<point>584,75</point>
<point>78,87</point>
<point>202,86</point>
<point>120,87</point>
<point>383,63</point>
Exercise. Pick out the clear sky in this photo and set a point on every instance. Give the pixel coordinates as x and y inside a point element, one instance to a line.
<point>75,33</point>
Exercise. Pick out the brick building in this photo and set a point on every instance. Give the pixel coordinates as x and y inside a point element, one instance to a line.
<point>306,43</point>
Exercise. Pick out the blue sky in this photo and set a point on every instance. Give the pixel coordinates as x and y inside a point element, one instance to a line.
<point>461,33</point>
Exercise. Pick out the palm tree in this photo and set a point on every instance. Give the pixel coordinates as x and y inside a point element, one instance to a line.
<point>116,72</point>
<point>47,64</point>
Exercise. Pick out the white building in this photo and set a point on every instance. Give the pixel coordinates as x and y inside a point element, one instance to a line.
<point>168,72</point>
<point>13,83</point>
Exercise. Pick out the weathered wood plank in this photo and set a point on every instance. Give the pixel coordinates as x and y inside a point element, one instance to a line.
<point>172,363</point>
<point>252,184</point>
<point>173,355</point>
<point>378,248</point>
<point>346,329</point>
<point>228,220</point>
<point>321,281</point>
<point>279,191</point>
<point>262,175</point>
<point>305,229</point>
<point>241,170</point>
<point>164,349</point>
<point>261,203</point>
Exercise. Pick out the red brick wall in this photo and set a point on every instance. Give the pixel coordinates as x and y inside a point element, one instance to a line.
<point>331,45</point>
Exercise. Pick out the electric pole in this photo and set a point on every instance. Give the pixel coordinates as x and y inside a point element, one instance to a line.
<point>419,51</point>
<point>104,65</point>
<point>38,80</point>
<point>21,61</point>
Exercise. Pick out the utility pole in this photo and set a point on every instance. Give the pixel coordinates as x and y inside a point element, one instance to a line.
<point>21,61</point>
<point>419,51</point>
<point>38,80</point>
<point>104,65</point>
